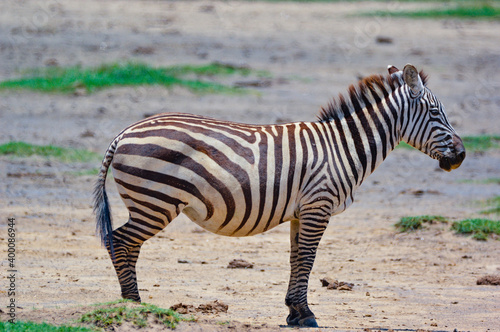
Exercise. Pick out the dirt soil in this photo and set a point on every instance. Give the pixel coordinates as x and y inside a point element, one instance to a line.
<point>401,281</point>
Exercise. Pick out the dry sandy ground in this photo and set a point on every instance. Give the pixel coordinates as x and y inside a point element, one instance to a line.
<point>422,280</point>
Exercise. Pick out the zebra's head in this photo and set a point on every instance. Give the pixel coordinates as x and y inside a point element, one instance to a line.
<point>425,125</point>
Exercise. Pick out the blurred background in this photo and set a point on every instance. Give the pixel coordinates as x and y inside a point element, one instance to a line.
<point>73,74</point>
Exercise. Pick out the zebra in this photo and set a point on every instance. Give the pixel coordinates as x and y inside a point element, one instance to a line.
<point>239,179</point>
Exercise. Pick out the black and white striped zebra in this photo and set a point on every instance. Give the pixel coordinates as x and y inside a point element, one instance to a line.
<point>237,179</point>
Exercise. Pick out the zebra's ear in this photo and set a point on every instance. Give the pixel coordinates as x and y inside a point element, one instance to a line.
<point>412,78</point>
<point>392,69</point>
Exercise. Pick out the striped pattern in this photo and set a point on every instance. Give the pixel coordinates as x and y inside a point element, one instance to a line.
<point>239,180</point>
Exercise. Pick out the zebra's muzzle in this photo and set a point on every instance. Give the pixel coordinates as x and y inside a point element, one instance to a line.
<point>448,164</point>
<point>454,161</point>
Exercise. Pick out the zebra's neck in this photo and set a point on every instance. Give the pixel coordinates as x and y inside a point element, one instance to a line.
<point>365,124</point>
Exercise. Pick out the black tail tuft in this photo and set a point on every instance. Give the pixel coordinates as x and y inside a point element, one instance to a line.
<point>104,225</point>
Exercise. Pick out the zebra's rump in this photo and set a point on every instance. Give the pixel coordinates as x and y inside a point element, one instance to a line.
<point>229,178</point>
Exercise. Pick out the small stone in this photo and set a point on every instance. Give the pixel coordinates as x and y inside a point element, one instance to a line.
<point>239,264</point>
<point>384,40</point>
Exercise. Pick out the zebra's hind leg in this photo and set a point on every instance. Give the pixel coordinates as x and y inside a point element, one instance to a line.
<point>125,258</point>
<point>127,242</point>
<point>304,239</point>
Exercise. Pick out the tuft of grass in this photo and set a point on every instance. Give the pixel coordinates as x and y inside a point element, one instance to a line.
<point>408,224</point>
<point>70,79</point>
<point>116,313</point>
<point>225,322</point>
<point>85,172</point>
<point>23,149</point>
<point>478,228</point>
<point>465,10</point>
<point>495,201</point>
<point>22,326</point>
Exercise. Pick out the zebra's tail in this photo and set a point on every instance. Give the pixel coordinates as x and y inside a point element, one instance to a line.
<point>104,224</point>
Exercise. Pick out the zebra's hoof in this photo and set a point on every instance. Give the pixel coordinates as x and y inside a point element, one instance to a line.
<point>308,322</point>
<point>292,321</point>
<point>135,298</point>
<point>293,318</point>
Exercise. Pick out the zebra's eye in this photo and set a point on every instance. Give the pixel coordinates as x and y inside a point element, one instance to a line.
<point>434,111</point>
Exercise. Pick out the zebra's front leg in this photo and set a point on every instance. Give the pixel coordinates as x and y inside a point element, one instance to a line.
<point>304,240</point>
<point>294,316</point>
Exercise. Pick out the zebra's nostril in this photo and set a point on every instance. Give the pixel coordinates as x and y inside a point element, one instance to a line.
<point>461,155</point>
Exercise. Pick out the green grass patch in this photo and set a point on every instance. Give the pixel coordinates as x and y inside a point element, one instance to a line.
<point>22,326</point>
<point>404,145</point>
<point>116,313</point>
<point>407,224</point>
<point>70,79</point>
<point>478,228</point>
<point>481,142</point>
<point>23,149</point>
<point>459,10</point>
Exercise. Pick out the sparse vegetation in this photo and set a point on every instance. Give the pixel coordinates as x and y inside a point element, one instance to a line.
<point>494,204</point>
<point>478,228</point>
<point>69,80</point>
<point>460,10</point>
<point>407,224</point>
<point>214,69</point>
<point>22,326</point>
<point>86,172</point>
<point>116,313</point>
<point>482,181</point>
<point>23,149</point>
<point>225,322</point>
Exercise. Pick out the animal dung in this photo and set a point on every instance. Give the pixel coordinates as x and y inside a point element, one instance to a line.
<point>330,283</point>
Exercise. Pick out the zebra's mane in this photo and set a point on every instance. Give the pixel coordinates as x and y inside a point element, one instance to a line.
<point>358,96</point>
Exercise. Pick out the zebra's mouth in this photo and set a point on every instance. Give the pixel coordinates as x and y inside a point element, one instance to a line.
<point>447,163</point>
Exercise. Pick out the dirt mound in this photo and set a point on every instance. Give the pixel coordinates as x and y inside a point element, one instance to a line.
<point>489,280</point>
<point>214,307</point>
<point>239,264</point>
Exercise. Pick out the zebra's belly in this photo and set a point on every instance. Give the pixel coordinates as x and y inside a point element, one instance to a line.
<point>216,201</point>
<point>234,226</point>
